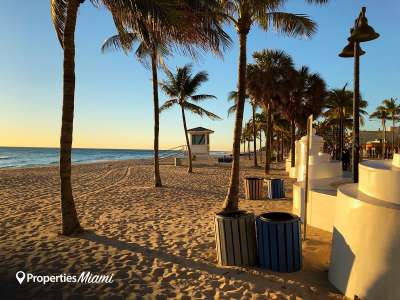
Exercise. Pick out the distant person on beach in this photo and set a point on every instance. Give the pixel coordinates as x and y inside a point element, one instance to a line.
<point>345,159</point>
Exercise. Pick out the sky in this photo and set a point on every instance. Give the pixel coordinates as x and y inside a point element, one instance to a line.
<point>113,105</point>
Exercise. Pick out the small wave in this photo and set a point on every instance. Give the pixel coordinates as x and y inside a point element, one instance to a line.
<point>5,157</point>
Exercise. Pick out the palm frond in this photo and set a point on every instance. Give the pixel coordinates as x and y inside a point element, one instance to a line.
<point>194,83</point>
<point>202,97</point>
<point>232,96</point>
<point>199,111</point>
<point>231,110</point>
<point>58,10</point>
<point>290,24</point>
<point>168,104</point>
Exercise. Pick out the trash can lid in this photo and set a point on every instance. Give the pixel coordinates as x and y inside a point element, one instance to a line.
<point>278,217</point>
<point>254,177</point>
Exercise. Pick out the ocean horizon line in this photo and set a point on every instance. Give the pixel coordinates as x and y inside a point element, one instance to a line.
<point>95,148</point>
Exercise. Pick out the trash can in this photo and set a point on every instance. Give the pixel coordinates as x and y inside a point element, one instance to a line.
<point>275,188</point>
<point>253,187</point>
<point>235,238</point>
<point>178,161</point>
<point>279,241</point>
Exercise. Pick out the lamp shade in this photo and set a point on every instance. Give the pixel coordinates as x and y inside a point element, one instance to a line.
<point>362,31</point>
<point>348,51</point>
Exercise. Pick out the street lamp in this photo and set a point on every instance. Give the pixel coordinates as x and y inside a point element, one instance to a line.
<point>361,32</point>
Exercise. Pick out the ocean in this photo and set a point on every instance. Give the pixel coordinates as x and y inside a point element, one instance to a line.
<point>15,157</point>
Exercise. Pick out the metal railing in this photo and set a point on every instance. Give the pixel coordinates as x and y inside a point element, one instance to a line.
<point>175,152</point>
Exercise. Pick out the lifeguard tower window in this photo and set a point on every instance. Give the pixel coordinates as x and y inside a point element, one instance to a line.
<point>199,139</point>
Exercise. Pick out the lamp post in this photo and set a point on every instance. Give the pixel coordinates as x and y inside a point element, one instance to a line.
<point>361,32</point>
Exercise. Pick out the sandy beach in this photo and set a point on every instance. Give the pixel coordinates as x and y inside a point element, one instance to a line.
<point>157,243</point>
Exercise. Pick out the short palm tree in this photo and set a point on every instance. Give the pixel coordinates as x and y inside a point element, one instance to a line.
<point>243,14</point>
<point>381,114</point>
<point>339,109</point>
<point>338,104</point>
<point>393,109</point>
<point>233,96</point>
<point>182,88</point>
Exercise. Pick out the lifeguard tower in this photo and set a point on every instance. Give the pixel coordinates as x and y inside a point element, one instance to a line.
<point>200,141</point>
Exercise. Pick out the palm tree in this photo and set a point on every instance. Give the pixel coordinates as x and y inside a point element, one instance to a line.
<point>181,88</point>
<point>233,96</point>
<point>155,50</point>
<point>301,94</point>
<point>261,124</point>
<point>154,43</point>
<point>339,109</point>
<point>381,114</point>
<point>243,14</point>
<point>393,109</point>
<point>125,12</point>
<point>338,104</point>
<point>266,77</point>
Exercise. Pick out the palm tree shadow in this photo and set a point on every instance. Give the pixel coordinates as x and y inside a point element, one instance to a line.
<point>252,275</point>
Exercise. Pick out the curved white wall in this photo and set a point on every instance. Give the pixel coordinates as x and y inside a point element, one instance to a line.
<point>380,179</point>
<point>396,160</point>
<point>365,255</point>
<point>320,165</point>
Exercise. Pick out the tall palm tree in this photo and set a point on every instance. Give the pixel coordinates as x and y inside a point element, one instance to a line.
<point>182,88</point>
<point>233,96</point>
<point>393,109</point>
<point>261,123</point>
<point>243,14</point>
<point>301,94</point>
<point>64,16</point>
<point>154,50</point>
<point>156,42</point>
<point>266,77</point>
<point>381,114</point>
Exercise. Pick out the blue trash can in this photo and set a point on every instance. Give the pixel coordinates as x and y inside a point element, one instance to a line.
<point>275,188</point>
<point>278,241</point>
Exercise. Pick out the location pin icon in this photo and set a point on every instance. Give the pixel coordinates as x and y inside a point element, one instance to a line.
<point>20,276</point>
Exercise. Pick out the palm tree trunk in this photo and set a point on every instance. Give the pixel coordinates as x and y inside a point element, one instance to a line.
<point>341,133</point>
<point>277,147</point>
<point>190,169</point>
<point>393,124</point>
<point>282,145</point>
<point>69,217</point>
<point>260,145</point>
<point>384,139</point>
<point>156,107</point>
<point>244,147</point>
<point>253,106</point>
<point>248,149</point>
<point>231,202</point>
<point>292,143</point>
<point>267,165</point>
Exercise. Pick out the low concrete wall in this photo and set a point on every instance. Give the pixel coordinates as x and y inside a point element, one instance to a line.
<point>322,201</point>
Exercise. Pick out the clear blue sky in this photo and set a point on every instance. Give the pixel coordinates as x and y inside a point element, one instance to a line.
<point>113,92</point>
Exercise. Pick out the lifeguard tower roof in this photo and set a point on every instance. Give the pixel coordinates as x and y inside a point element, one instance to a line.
<point>200,129</point>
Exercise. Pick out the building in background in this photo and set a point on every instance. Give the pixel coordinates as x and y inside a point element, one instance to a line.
<point>372,142</point>
<point>200,141</point>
